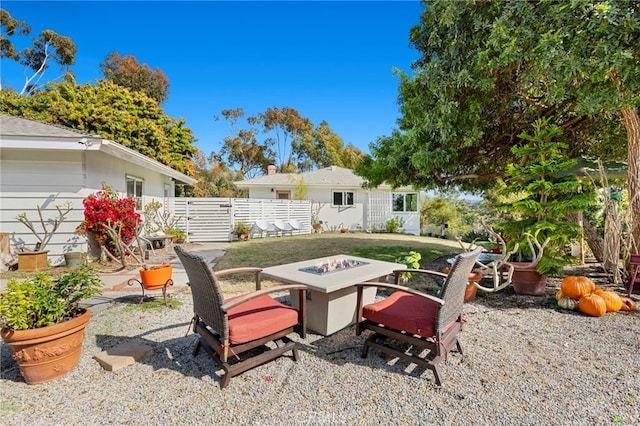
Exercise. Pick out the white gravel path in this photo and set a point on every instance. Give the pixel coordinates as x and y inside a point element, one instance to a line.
<point>526,363</point>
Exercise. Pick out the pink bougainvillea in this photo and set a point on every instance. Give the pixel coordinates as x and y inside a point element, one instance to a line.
<point>105,207</point>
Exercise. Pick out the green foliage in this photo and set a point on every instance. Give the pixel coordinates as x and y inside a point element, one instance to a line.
<point>42,301</point>
<point>127,72</point>
<point>488,69</point>
<point>130,118</point>
<point>539,195</point>
<point>394,224</point>
<point>47,47</point>
<point>241,228</point>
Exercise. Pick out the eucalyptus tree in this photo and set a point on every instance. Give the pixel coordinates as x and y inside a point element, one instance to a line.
<point>48,47</point>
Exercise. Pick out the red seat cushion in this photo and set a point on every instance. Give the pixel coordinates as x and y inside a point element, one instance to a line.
<point>258,318</point>
<point>405,312</point>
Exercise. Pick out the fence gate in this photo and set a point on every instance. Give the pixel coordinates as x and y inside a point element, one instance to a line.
<point>205,219</point>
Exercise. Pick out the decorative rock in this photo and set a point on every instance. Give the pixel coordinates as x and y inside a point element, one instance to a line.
<point>123,355</point>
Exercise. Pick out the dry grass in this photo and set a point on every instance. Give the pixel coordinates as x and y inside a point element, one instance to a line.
<point>265,252</point>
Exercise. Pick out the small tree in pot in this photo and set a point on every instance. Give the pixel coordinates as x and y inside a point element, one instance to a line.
<point>540,193</point>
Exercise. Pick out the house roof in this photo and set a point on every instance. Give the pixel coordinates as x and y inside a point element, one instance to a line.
<point>24,133</point>
<point>332,176</point>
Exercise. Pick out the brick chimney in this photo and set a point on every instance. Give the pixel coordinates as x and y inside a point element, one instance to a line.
<point>271,170</point>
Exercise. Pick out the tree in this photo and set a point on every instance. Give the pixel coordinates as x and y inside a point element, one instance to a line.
<point>288,127</point>
<point>128,72</point>
<point>114,112</point>
<point>216,180</point>
<point>325,148</point>
<point>48,46</point>
<point>490,69</point>
<point>242,150</point>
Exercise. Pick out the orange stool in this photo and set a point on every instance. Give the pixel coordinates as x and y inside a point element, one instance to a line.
<point>635,262</point>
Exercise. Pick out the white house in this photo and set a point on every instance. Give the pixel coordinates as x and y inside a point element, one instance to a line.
<point>339,199</point>
<point>46,165</point>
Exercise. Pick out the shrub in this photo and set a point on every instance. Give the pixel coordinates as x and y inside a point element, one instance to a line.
<point>106,207</point>
<point>42,300</point>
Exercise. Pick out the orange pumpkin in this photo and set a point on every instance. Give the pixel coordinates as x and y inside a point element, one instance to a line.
<point>593,305</point>
<point>611,299</point>
<point>627,304</point>
<point>576,286</point>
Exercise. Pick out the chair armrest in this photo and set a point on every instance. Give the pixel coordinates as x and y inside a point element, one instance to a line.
<point>224,272</point>
<point>422,271</point>
<point>433,299</point>
<point>255,294</point>
<point>257,271</point>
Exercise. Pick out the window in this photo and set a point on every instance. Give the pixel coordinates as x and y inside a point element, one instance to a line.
<point>405,202</point>
<point>134,189</point>
<point>283,195</point>
<point>342,198</point>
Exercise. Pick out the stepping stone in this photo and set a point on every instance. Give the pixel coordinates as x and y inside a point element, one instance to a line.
<point>123,355</point>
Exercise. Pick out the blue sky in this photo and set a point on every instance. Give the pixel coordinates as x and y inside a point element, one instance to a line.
<point>329,60</point>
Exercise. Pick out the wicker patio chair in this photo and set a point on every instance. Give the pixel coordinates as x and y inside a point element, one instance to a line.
<point>412,317</point>
<point>229,328</point>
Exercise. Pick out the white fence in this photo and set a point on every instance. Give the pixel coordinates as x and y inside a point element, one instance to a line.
<point>202,219</point>
<point>213,219</point>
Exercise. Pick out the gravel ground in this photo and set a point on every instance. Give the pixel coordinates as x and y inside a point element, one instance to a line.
<point>526,362</point>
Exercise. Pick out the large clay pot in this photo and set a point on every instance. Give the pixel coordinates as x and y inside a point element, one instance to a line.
<point>156,277</point>
<point>527,281</point>
<point>47,353</point>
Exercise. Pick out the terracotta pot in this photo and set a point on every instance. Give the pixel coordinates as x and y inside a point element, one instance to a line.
<point>47,353</point>
<point>527,281</point>
<point>156,277</point>
<point>472,289</point>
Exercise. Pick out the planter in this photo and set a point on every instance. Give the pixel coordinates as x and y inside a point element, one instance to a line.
<point>74,258</point>
<point>527,281</point>
<point>472,289</point>
<point>47,353</point>
<point>30,261</point>
<point>156,277</point>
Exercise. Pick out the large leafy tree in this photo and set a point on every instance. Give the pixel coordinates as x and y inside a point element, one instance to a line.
<point>490,69</point>
<point>48,47</point>
<point>128,72</point>
<point>114,112</point>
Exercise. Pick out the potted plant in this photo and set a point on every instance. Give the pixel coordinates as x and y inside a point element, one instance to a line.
<point>42,322</point>
<point>242,231</point>
<point>412,261</point>
<point>36,259</point>
<point>538,194</point>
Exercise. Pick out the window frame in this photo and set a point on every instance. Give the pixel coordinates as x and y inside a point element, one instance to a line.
<point>344,198</point>
<point>138,183</point>
<point>405,202</point>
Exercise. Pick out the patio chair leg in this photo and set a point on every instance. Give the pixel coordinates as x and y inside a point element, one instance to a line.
<point>459,346</point>
<point>196,349</point>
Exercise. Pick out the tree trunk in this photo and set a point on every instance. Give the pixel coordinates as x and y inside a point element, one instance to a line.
<point>632,123</point>
<point>591,234</point>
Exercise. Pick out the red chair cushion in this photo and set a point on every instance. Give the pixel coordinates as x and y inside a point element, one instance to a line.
<point>258,318</point>
<point>404,312</point>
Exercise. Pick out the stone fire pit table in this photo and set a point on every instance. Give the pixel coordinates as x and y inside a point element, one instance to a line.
<point>332,297</point>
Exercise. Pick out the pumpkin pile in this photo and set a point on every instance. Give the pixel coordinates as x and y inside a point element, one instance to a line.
<point>580,293</point>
